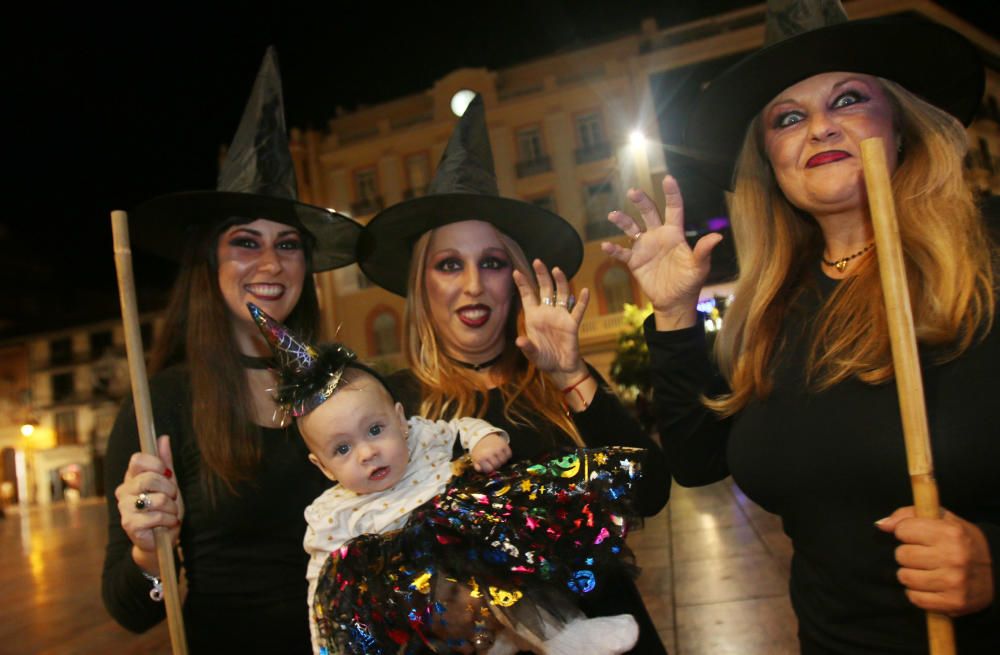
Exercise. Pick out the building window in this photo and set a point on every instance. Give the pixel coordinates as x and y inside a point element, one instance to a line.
<point>63,386</point>
<point>61,351</point>
<point>547,202</point>
<point>590,136</point>
<point>615,285</point>
<point>418,173</point>
<point>366,192</point>
<point>66,427</point>
<point>531,157</point>
<point>100,343</point>
<point>383,332</point>
<point>599,200</point>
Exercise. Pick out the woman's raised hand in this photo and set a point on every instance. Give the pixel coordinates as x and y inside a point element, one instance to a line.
<point>670,272</point>
<point>148,498</point>
<point>551,322</point>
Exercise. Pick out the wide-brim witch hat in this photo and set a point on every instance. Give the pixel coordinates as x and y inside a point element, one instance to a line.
<point>464,188</point>
<point>808,37</point>
<point>307,375</point>
<point>256,180</point>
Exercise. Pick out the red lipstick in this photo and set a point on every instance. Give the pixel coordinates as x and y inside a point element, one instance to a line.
<point>474,315</point>
<point>827,157</point>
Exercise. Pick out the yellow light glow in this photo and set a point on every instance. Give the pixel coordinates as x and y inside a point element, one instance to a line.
<point>27,430</point>
<point>637,139</point>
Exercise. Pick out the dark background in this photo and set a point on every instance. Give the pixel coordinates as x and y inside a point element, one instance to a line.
<point>113,106</point>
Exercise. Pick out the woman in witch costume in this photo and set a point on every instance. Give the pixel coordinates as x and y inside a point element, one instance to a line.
<point>388,540</point>
<point>489,332</point>
<point>231,482</point>
<point>805,414</point>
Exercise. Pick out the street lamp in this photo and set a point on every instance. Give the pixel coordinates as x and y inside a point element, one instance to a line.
<point>460,101</point>
<point>640,160</point>
<point>28,429</point>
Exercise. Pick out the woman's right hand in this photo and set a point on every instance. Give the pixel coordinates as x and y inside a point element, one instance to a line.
<point>670,272</point>
<point>153,477</point>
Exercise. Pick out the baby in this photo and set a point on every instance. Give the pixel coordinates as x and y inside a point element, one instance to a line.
<point>398,549</point>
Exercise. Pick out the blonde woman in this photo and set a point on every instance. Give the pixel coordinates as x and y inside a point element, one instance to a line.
<point>805,415</point>
<point>484,339</point>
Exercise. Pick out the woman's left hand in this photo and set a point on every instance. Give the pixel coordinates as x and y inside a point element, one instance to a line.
<point>552,322</point>
<point>945,563</point>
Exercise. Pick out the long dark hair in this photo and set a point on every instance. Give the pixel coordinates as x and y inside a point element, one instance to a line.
<point>198,332</point>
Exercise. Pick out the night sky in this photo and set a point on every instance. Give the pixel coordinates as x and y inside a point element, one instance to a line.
<point>113,107</point>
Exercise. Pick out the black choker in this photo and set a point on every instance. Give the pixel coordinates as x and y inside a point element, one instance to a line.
<point>257,362</point>
<point>477,367</point>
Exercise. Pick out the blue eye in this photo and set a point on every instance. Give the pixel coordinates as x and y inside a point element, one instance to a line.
<point>788,118</point>
<point>449,265</point>
<point>342,449</point>
<point>494,263</point>
<point>375,430</point>
<point>848,98</point>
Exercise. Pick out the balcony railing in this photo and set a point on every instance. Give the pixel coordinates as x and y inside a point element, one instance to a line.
<point>534,166</point>
<point>367,206</point>
<point>593,152</point>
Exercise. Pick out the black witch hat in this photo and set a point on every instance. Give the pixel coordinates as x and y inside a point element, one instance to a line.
<point>257,180</point>
<point>464,188</point>
<point>808,37</point>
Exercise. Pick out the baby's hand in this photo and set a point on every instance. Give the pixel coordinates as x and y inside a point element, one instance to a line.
<point>490,453</point>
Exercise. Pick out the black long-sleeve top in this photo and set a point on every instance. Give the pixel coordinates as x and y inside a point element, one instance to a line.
<point>832,463</point>
<point>605,422</point>
<point>242,557</point>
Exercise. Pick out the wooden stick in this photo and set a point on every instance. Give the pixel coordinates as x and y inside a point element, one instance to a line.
<point>144,418</point>
<point>903,340</point>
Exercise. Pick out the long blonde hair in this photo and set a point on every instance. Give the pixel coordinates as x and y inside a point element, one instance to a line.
<point>449,390</point>
<point>948,254</point>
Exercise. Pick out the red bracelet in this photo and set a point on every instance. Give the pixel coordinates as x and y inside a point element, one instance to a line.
<point>573,387</point>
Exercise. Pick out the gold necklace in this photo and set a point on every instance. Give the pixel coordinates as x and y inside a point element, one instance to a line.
<point>841,264</point>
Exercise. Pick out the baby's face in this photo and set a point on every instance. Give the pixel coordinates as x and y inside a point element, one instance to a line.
<point>358,436</point>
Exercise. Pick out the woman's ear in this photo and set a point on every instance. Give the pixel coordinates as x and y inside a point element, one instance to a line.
<point>318,464</point>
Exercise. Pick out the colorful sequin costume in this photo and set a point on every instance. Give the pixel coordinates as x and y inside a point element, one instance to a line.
<point>540,533</point>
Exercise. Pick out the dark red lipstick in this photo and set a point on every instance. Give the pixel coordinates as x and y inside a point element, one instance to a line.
<point>827,157</point>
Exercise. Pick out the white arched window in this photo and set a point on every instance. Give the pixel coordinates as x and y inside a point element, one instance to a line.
<point>616,288</point>
<point>385,334</point>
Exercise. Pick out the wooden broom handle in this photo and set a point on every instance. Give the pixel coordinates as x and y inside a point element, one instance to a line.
<point>144,419</point>
<point>905,361</point>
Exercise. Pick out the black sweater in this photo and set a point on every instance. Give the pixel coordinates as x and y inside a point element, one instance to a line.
<point>605,422</point>
<point>832,463</point>
<point>242,558</point>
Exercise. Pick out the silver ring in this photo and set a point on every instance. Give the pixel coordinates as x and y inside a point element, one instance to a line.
<point>143,502</point>
<point>546,300</point>
<point>635,237</point>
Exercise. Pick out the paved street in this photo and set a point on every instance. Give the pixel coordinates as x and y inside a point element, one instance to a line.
<point>714,575</point>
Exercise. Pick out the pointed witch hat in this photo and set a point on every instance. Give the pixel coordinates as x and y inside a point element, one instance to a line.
<point>308,375</point>
<point>808,37</point>
<point>257,180</point>
<point>464,188</point>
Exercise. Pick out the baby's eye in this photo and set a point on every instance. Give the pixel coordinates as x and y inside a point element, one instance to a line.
<point>375,430</point>
<point>342,449</point>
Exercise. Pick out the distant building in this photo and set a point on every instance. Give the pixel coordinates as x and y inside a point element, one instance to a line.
<point>73,383</point>
<point>560,127</point>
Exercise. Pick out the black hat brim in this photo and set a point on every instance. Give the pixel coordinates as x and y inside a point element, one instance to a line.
<point>928,59</point>
<point>163,225</point>
<point>386,246</point>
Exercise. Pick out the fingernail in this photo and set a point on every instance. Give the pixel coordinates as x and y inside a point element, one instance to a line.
<point>167,473</point>
<point>881,521</point>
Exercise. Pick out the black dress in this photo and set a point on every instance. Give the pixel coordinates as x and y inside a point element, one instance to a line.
<point>605,422</point>
<point>830,464</point>
<point>242,557</point>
